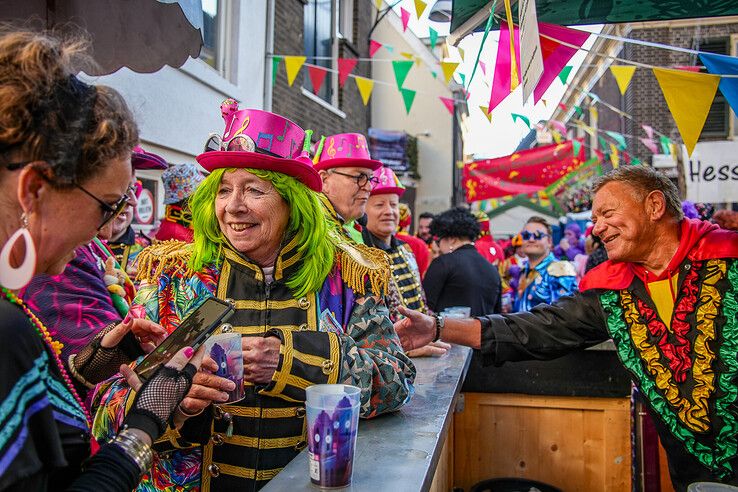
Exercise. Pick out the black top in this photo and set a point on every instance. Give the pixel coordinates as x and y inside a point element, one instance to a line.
<point>463,278</point>
<point>44,436</point>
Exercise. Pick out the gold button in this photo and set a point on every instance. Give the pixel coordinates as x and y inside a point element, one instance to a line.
<point>217,439</point>
<point>217,412</point>
<point>226,328</point>
<point>303,327</point>
<point>300,445</point>
<point>327,366</point>
<point>214,470</point>
<point>300,411</point>
<point>230,301</point>
<point>303,302</point>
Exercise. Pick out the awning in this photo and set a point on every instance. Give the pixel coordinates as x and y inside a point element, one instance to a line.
<point>577,12</point>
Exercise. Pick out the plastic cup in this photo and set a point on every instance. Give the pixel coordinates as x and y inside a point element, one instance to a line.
<point>332,425</point>
<point>459,311</point>
<point>225,350</point>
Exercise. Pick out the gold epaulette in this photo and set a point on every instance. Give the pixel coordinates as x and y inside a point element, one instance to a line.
<point>360,262</point>
<point>561,269</point>
<point>166,256</point>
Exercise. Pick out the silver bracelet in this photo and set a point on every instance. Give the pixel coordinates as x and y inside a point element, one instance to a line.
<point>134,448</point>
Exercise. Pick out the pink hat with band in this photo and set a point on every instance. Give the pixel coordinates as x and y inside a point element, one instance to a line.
<point>388,183</point>
<point>260,140</point>
<point>140,159</point>
<point>343,150</point>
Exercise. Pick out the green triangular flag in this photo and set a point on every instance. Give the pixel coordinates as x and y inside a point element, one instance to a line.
<point>619,139</point>
<point>564,74</point>
<point>388,48</point>
<point>401,67</point>
<point>635,161</point>
<point>434,74</point>
<point>408,96</point>
<point>275,68</point>
<point>462,76</point>
<point>665,144</point>
<point>522,118</point>
<point>433,38</point>
<point>603,145</point>
<point>576,147</point>
<point>578,110</point>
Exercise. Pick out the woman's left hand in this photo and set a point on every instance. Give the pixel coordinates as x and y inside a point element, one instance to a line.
<point>433,349</point>
<point>148,333</point>
<point>260,358</point>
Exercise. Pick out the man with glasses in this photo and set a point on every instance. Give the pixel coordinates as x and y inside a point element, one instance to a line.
<point>347,171</point>
<point>544,279</point>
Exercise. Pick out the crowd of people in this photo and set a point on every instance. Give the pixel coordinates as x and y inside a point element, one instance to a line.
<point>309,242</point>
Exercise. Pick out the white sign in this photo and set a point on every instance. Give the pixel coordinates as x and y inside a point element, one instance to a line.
<point>145,207</point>
<point>711,174</point>
<point>531,59</point>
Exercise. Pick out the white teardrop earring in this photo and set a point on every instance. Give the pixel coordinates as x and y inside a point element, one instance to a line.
<point>17,278</point>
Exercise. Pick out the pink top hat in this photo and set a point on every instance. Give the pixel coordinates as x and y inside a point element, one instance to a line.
<point>388,183</point>
<point>260,140</point>
<point>140,159</point>
<point>344,150</point>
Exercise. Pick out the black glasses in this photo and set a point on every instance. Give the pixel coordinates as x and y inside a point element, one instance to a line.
<point>361,179</point>
<point>110,212</point>
<point>538,235</point>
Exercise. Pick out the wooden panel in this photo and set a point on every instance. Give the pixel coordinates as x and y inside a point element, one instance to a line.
<point>664,477</point>
<point>576,444</point>
<point>443,480</point>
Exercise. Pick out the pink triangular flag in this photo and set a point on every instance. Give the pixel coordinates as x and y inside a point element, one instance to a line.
<point>317,77</point>
<point>558,126</point>
<point>405,18</point>
<point>483,66</point>
<point>555,54</point>
<point>648,130</point>
<point>345,67</point>
<point>501,80</point>
<point>448,102</point>
<point>373,47</point>
<point>650,144</point>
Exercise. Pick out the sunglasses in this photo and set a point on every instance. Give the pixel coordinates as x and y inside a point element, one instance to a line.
<point>537,236</point>
<point>361,179</point>
<point>110,211</point>
<point>240,142</point>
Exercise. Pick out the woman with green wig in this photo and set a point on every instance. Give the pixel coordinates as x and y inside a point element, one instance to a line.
<point>308,305</point>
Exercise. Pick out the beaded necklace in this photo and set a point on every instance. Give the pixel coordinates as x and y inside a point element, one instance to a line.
<point>54,346</point>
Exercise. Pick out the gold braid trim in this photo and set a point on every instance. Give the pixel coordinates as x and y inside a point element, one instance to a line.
<point>167,256</point>
<point>359,262</point>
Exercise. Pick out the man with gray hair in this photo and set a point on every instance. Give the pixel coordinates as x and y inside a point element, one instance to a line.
<point>667,296</point>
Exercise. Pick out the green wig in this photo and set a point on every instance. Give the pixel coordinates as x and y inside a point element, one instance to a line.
<point>307,221</point>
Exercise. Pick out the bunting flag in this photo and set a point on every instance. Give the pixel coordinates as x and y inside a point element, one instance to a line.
<point>594,115</point>
<point>599,154</point>
<point>623,74</point>
<point>433,34</point>
<point>510,49</point>
<point>373,47</point>
<point>462,76</point>
<point>378,4</point>
<point>614,157</point>
<point>486,112</point>
<point>434,74</point>
<point>461,53</point>
<point>317,77</point>
<point>562,106</point>
<point>389,48</point>
<point>561,127</point>
<point>564,74</point>
<point>578,111</point>
<point>557,136</point>
<point>293,64</point>
<point>527,171</point>
<point>448,69</point>
<point>689,97</point>
<point>408,96</point>
<point>524,119</point>
<point>401,68</point>
<point>648,130</point>
<point>576,146</point>
<point>618,138</point>
<point>483,66</point>
<point>365,87</point>
<point>726,65</point>
<point>405,15</point>
<point>448,102</point>
<point>650,144</point>
<point>420,6</point>
<point>407,55</point>
<point>275,68</point>
<point>502,83</point>
<point>345,67</point>
<point>602,143</point>
<point>665,143</point>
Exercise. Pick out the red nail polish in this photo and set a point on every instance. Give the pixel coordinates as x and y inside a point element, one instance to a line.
<point>127,319</point>
<point>188,352</point>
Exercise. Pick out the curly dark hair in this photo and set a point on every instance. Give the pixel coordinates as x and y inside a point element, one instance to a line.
<point>455,222</point>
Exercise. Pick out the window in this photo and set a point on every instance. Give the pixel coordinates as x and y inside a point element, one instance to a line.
<point>346,20</point>
<point>717,124</point>
<point>325,22</point>
<point>215,49</point>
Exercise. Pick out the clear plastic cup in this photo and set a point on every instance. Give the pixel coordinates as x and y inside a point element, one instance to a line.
<point>332,425</point>
<point>225,350</point>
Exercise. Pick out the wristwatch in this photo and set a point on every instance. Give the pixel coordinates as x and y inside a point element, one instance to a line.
<point>440,323</point>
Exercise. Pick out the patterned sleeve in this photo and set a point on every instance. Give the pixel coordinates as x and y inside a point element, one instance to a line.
<point>368,355</point>
<point>563,286</point>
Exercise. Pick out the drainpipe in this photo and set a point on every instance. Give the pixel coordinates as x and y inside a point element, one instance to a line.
<point>269,50</point>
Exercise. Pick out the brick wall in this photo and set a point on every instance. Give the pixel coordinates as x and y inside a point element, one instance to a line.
<point>290,101</point>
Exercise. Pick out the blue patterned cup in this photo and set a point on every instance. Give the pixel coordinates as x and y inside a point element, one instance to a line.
<point>225,350</point>
<point>332,425</point>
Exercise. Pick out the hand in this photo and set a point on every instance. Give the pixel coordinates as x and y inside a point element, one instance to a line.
<point>148,333</point>
<point>415,330</point>
<point>207,388</point>
<point>433,349</point>
<point>260,358</point>
<point>564,244</point>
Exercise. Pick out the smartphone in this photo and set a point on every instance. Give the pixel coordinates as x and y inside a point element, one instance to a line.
<point>192,332</point>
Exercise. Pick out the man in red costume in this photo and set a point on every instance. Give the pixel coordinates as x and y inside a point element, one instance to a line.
<point>420,249</point>
<point>485,243</point>
<point>667,296</point>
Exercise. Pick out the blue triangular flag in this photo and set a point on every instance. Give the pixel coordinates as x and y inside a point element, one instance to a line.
<point>724,65</point>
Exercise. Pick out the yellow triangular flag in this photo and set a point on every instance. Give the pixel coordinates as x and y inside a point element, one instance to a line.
<point>293,65</point>
<point>557,136</point>
<point>420,6</point>
<point>545,104</point>
<point>689,96</point>
<point>594,115</point>
<point>378,4</point>
<point>407,55</point>
<point>365,87</point>
<point>461,53</point>
<point>486,112</point>
<point>614,156</point>
<point>448,69</point>
<point>622,74</point>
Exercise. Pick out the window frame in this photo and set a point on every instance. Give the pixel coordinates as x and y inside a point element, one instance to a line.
<point>224,48</point>
<point>336,37</point>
